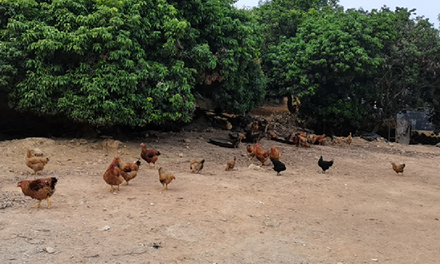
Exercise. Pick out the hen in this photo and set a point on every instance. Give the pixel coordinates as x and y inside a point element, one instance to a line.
<point>35,163</point>
<point>150,155</point>
<point>112,175</point>
<point>260,154</point>
<point>278,166</point>
<point>165,178</point>
<point>274,153</point>
<point>349,139</point>
<point>39,189</point>
<point>196,165</point>
<point>230,164</point>
<point>398,168</point>
<point>250,151</point>
<point>321,139</point>
<point>128,170</point>
<point>325,165</point>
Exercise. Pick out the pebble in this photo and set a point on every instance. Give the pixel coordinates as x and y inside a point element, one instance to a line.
<point>105,228</point>
<point>50,250</point>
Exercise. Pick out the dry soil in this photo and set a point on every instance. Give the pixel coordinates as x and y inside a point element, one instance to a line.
<point>360,211</point>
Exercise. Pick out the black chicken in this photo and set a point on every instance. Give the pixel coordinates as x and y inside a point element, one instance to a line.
<point>325,165</point>
<point>278,166</point>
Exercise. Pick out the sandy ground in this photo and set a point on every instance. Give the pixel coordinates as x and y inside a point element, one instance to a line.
<point>360,211</point>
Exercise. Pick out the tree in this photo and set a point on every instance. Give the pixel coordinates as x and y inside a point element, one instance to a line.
<point>324,64</point>
<point>410,74</point>
<point>108,62</point>
<point>224,46</point>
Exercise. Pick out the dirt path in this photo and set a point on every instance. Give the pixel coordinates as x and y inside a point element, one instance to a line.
<point>359,212</point>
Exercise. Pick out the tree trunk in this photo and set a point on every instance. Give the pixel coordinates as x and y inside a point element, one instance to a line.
<point>403,131</point>
<point>292,104</point>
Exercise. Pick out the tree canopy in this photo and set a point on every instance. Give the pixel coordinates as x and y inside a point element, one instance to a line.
<point>127,62</point>
<point>134,63</point>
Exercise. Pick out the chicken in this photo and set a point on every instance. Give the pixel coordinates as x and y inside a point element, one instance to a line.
<point>39,189</point>
<point>325,165</point>
<point>150,156</point>
<point>128,170</point>
<point>303,141</point>
<point>35,163</point>
<point>165,178</point>
<point>230,164</point>
<point>320,139</point>
<point>313,139</point>
<point>251,151</point>
<point>398,168</point>
<point>271,135</point>
<point>260,154</point>
<point>274,153</point>
<point>337,140</point>
<point>112,175</point>
<point>349,139</point>
<point>196,165</point>
<point>278,166</point>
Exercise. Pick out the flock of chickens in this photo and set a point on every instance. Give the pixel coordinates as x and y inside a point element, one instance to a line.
<point>118,171</point>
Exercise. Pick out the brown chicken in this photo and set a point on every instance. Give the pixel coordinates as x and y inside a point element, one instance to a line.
<point>251,150</point>
<point>196,165</point>
<point>274,154</point>
<point>320,139</point>
<point>337,140</point>
<point>39,189</point>
<point>260,154</point>
<point>315,139</point>
<point>150,155</point>
<point>398,168</point>
<point>165,178</point>
<point>349,139</point>
<point>35,163</point>
<point>112,175</point>
<point>230,164</point>
<point>128,170</point>
<point>302,141</point>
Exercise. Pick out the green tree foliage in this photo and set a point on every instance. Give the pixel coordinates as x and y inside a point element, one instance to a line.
<point>324,63</point>
<point>108,62</point>
<point>280,20</point>
<point>410,74</point>
<point>103,62</point>
<point>224,45</point>
<point>353,69</point>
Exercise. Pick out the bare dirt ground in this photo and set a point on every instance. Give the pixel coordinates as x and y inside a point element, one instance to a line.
<point>360,211</point>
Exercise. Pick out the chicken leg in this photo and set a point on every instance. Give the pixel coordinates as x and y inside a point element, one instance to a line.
<point>48,202</point>
<point>38,205</point>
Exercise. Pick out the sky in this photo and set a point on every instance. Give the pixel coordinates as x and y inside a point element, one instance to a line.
<point>428,8</point>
